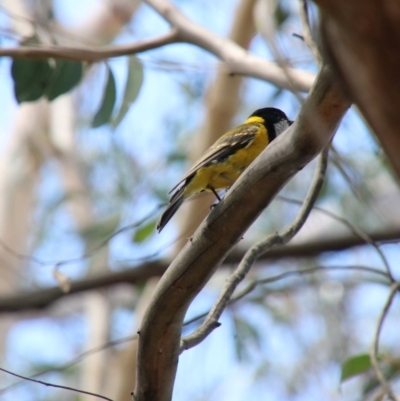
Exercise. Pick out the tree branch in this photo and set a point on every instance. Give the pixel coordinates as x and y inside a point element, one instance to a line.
<point>47,384</point>
<point>261,247</point>
<point>307,33</point>
<point>90,53</point>
<point>45,297</point>
<point>160,332</point>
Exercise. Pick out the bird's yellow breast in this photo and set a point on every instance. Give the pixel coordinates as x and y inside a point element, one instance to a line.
<point>223,174</point>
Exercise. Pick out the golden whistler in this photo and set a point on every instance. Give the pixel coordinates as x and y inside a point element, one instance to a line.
<point>221,165</point>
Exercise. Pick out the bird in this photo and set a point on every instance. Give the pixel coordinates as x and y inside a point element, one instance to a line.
<point>222,164</point>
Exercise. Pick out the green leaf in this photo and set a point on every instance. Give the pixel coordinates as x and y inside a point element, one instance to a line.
<point>30,79</point>
<point>354,366</point>
<point>103,115</point>
<point>144,232</point>
<point>132,88</point>
<point>65,76</point>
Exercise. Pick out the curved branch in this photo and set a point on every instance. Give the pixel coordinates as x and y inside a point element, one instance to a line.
<point>159,337</point>
<point>90,53</point>
<point>261,247</point>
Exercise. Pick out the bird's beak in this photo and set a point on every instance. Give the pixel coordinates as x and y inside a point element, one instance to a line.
<point>290,122</point>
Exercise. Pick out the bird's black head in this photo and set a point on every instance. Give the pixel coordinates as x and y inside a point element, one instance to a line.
<point>274,119</point>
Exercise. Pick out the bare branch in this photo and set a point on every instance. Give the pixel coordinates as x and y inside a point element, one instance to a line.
<point>375,343</point>
<point>90,53</point>
<point>56,385</point>
<point>309,270</point>
<point>44,297</point>
<point>159,337</point>
<point>263,15</point>
<point>252,254</point>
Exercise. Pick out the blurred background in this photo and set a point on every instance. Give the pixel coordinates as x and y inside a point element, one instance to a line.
<point>82,185</point>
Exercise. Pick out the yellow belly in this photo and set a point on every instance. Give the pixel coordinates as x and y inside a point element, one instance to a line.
<point>223,175</point>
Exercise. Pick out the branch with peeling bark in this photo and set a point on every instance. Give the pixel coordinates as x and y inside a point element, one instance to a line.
<point>159,338</point>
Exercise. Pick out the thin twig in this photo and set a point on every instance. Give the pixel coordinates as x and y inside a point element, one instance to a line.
<point>309,270</point>
<point>88,253</point>
<point>354,229</point>
<point>307,35</point>
<point>56,385</point>
<point>267,28</point>
<point>73,361</point>
<point>341,164</point>
<point>255,283</point>
<point>375,343</point>
<point>102,244</point>
<point>211,322</point>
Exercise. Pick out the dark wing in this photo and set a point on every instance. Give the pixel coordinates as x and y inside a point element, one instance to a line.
<point>229,143</point>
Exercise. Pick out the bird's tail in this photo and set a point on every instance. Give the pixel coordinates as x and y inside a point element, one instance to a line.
<point>174,204</point>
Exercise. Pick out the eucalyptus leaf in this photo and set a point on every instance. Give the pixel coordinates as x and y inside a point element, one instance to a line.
<point>354,366</point>
<point>103,115</point>
<point>30,79</point>
<point>66,75</point>
<point>132,88</point>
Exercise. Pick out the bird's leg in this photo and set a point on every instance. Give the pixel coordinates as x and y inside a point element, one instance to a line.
<point>216,195</point>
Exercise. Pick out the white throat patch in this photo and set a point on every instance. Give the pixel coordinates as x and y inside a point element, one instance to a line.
<point>283,125</point>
